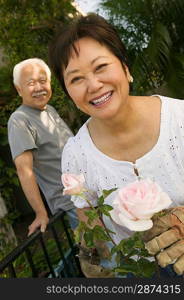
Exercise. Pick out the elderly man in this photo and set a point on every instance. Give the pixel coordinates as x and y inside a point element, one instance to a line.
<point>36,136</point>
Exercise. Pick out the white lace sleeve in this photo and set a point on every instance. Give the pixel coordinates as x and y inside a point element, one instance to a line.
<point>72,163</point>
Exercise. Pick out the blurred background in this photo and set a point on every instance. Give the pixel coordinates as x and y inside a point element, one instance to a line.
<point>152,31</point>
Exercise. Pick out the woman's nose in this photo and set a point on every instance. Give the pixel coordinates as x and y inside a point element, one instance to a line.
<point>94,84</point>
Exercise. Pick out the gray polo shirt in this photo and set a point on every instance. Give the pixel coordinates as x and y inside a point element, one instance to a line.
<point>45,133</point>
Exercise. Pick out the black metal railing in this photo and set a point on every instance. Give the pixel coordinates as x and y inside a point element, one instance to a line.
<point>63,263</point>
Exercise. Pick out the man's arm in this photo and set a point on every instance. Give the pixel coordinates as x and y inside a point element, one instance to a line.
<point>24,166</point>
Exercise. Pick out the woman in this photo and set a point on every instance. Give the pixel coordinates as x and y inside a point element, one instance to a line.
<point>126,136</point>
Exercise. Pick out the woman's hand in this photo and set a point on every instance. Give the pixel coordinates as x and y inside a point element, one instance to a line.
<point>166,239</point>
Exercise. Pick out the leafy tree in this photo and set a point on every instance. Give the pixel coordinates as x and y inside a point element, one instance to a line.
<point>152,30</point>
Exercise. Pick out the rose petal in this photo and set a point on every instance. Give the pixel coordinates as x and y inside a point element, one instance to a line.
<point>115,216</point>
<point>138,225</point>
<point>164,202</point>
<point>73,184</point>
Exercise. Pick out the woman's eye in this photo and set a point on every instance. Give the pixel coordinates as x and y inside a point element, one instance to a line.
<point>75,79</point>
<point>101,67</point>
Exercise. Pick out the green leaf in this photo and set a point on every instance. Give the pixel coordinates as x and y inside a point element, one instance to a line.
<point>144,253</point>
<point>100,200</point>
<point>139,244</point>
<point>100,234</point>
<point>129,267</point>
<point>115,249</point>
<point>92,215</point>
<point>147,268</point>
<point>81,228</point>
<point>126,246</point>
<point>106,193</point>
<point>104,209</point>
<point>89,238</point>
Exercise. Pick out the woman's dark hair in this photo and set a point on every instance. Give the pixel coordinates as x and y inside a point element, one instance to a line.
<point>93,26</point>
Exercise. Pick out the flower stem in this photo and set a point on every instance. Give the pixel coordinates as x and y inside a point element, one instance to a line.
<point>100,218</point>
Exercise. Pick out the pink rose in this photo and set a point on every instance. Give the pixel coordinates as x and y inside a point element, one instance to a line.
<point>136,203</point>
<point>73,184</point>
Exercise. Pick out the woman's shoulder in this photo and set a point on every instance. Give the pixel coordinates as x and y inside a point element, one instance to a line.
<point>170,101</point>
<point>155,97</point>
<point>79,140</point>
<point>168,104</point>
<point>173,107</point>
<point>75,153</point>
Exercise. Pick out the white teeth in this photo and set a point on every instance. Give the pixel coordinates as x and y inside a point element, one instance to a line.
<point>102,99</point>
<point>38,94</point>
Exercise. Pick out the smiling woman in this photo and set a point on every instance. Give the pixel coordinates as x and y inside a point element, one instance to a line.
<point>89,82</point>
<point>127,137</point>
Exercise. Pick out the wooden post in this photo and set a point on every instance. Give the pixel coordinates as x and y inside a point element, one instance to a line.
<point>7,236</point>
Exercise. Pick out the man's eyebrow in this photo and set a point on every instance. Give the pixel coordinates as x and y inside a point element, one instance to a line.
<point>29,80</point>
<point>77,70</point>
<point>32,79</point>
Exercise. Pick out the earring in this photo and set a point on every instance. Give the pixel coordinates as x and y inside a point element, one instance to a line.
<point>131,79</point>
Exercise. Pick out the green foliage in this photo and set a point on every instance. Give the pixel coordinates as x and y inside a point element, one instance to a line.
<point>133,245</point>
<point>152,31</point>
<point>96,233</point>
<point>27,26</point>
<point>131,254</point>
<point>141,268</point>
<point>104,209</point>
<point>90,234</point>
<point>92,215</point>
<point>21,265</point>
<point>106,193</point>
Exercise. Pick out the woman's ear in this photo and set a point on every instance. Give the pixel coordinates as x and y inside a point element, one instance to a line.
<point>130,79</point>
<point>129,76</point>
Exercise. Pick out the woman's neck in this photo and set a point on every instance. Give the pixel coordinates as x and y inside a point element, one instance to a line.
<point>124,122</point>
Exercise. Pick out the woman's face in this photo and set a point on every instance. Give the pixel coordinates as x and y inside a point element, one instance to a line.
<point>96,80</point>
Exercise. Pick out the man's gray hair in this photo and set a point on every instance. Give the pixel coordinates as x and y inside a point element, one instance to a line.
<point>18,68</point>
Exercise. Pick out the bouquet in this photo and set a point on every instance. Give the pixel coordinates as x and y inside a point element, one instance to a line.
<point>133,207</point>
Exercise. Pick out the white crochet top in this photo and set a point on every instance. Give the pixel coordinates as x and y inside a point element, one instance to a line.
<point>164,163</point>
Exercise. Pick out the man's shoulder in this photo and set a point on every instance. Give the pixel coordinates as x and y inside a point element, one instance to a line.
<point>18,114</point>
<point>52,109</point>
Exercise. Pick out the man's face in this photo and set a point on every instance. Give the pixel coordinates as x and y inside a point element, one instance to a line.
<point>34,86</point>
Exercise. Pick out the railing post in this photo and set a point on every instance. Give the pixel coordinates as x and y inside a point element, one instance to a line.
<point>67,262</point>
<point>7,235</point>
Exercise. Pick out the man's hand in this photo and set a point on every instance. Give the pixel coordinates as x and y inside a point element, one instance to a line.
<point>40,221</point>
<point>166,239</point>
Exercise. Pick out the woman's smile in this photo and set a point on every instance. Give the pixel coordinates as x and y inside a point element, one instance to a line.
<point>102,100</point>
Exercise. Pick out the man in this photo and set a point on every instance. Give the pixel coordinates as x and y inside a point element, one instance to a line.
<point>37,136</point>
